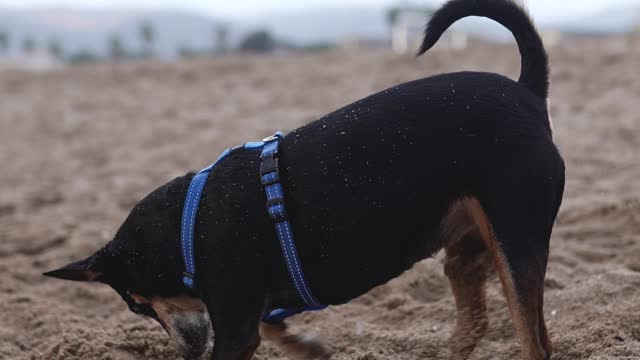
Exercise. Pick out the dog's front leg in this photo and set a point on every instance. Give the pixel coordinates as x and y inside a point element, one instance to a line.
<point>236,319</point>
<point>299,346</point>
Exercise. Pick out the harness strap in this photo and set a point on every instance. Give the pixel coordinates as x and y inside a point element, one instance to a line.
<point>189,213</point>
<point>270,179</point>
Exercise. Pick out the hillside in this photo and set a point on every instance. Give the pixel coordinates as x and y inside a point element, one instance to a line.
<point>90,30</point>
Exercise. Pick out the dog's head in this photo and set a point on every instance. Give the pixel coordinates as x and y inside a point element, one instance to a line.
<point>143,265</point>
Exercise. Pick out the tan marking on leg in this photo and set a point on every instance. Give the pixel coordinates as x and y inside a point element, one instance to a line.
<point>251,351</point>
<point>139,299</point>
<point>457,223</point>
<point>468,287</point>
<point>467,266</point>
<point>544,333</point>
<point>299,346</point>
<point>524,311</point>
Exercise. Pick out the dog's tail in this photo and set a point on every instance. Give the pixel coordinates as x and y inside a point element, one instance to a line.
<point>535,63</point>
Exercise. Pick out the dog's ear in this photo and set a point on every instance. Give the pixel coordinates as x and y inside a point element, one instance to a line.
<point>84,270</point>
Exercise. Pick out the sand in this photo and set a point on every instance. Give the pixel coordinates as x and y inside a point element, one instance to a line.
<point>78,147</point>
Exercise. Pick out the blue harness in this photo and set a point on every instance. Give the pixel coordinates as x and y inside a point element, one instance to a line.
<point>270,179</point>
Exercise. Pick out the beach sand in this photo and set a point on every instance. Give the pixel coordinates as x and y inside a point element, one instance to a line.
<point>80,146</point>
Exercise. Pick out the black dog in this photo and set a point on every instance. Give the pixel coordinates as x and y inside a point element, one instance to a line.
<point>463,162</point>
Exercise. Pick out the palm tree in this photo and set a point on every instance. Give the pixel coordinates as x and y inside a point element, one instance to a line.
<point>147,35</point>
<point>28,45</point>
<point>55,48</point>
<point>4,41</point>
<point>221,45</point>
<point>258,41</point>
<point>184,52</point>
<point>116,49</point>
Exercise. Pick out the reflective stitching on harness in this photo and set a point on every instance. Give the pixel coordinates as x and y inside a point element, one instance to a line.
<point>193,211</point>
<point>287,232</point>
<point>295,268</point>
<point>288,261</point>
<point>189,219</point>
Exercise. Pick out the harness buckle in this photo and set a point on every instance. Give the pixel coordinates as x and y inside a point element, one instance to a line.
<point>273,137</point>
<point>268,165</point>
<point>276,210</point>
<point>236,149</point>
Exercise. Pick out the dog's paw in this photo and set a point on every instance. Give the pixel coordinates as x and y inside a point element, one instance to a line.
<point>299,346</point>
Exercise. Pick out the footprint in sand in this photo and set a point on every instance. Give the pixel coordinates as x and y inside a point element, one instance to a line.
<point>552,283</point>
<point>43,200</point>
<point>428,289</point>
<point>7,210</point>
<point>594,255</point>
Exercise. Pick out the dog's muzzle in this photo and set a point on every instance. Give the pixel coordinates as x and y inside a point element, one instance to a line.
<point>191,331</point>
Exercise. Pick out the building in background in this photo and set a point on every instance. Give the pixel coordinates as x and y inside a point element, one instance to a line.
<point>407,26</point>
<point>361,43</point>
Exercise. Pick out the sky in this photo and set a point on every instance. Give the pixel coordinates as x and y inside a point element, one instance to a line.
<point>540,9</point>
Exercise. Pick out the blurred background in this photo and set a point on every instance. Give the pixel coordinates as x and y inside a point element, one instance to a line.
<point>103,101</point>
<point>42,34</point>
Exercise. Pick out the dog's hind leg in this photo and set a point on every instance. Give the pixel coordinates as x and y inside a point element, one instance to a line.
<point>467,266</point>
<point>523,285</point>
<point>519,243</point>
<point>296,345</point>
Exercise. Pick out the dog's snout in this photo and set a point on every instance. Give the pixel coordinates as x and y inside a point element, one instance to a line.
<point>192,333</point>
<point>187,322</point>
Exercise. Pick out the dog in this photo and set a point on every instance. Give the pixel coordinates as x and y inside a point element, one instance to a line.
<point>462,162</point>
